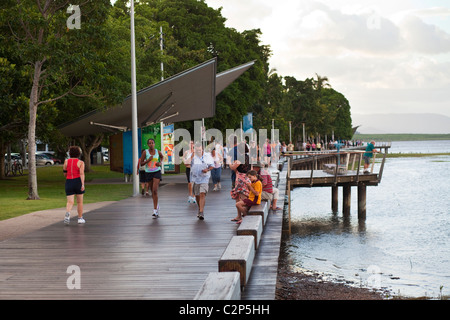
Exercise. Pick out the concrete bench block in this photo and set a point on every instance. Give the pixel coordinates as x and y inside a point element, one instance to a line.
<point>251,226</point>
<point>238,256</point>
<point>220,286</point>
<point>260,209</point>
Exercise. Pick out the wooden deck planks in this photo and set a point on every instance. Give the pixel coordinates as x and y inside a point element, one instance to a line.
<point>122,252</point>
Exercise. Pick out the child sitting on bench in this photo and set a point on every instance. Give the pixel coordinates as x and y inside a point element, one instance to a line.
<point>254,197</point>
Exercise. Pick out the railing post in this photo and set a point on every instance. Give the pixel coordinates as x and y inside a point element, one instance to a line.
<point>312,171</point>
<point>289,168</point>
<point>374,155</point>
<point>380,174</point>
<point>359,167</point>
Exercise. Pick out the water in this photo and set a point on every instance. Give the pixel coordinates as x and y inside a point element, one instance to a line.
<point>404,244</point>
<point>436,146</point>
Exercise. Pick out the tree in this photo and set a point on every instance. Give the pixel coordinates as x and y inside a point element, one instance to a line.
<point>64,62</point>
<point>320,107</point>
<point>338,115</point>
<point>13,105</point>
<point>193,33</point>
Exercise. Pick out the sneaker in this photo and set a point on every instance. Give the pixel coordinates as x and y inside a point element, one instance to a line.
<point>193,200</point>
<point>155,214</point>
<point>215,188</point>
<point>220,186</point>
<point>201,216</point>
<point>67,218</point>
<point>81,220</point>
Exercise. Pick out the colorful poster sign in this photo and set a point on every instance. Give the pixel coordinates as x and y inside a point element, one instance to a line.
<point>248,122</point>
<point>168,147</point>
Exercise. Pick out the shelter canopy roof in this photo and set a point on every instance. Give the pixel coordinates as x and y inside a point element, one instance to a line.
<point>187,96</point>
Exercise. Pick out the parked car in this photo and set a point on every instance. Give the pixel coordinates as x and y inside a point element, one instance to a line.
<point>52,156</point>
<point>14,157</point>
<point>43,160</point>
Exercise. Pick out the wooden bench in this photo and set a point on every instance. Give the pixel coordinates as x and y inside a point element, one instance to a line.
<point>251,226</point>
<point>260,209</point>
<point>220,286</point>
<point>331,169</point>
<point>238,256</point>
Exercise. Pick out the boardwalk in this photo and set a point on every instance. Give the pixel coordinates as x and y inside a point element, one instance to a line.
<point>123,253</point>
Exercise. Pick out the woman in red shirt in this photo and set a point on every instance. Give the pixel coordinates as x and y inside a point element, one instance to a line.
<point>74,172</point>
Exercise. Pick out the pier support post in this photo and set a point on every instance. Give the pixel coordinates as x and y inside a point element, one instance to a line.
<point>289,204</point>
<point>362,201</point>
<point>334,199</point>
<point>347,193</point>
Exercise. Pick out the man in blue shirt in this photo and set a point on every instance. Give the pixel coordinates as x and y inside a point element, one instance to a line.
<point>370,150</point>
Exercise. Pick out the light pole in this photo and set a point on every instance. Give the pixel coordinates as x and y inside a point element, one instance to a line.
<point>134,127</point>
<point>290,131</point>
<point>303,124</point>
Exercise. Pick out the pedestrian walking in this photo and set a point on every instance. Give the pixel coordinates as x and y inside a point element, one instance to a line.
<point>217,170</point>
<point>187,159</point>
<point>73,170</point>
<point>201,166</point>
<point>142,179</point>
<point>152,159</point>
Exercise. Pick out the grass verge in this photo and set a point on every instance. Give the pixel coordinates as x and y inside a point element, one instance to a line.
<point>13,190</point>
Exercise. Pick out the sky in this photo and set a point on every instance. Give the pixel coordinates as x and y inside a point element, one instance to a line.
<point>385,56</point>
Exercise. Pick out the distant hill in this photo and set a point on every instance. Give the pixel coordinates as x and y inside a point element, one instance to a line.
<point>428,123</point>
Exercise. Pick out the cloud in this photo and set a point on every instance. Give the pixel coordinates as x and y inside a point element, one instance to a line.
<point>242,17</point>
<point>424,38</point>
<point>385,54</point>
<point>367,32</point>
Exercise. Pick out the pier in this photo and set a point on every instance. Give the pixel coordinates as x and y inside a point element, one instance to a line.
<point>122,253</point>
<point>335,169</point>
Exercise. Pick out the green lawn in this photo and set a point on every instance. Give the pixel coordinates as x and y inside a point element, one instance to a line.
<point>13,190</point>
<point>413,155</point>
<point>400,137</point>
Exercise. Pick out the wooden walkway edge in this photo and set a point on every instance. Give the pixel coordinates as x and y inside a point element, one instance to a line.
<point>122,253</point>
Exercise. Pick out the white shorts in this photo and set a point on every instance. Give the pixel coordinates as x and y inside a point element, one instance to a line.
<point>270,196</point>
<point>200,188</point>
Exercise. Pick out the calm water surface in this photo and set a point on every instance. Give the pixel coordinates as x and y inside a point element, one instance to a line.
<point>404,244</point>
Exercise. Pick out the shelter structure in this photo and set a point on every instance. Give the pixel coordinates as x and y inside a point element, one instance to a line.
<point>187,96</point>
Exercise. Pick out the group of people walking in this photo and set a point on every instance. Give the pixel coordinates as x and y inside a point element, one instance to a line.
<point>250,183</point>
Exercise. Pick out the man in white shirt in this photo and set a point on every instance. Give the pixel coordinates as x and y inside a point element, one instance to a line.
<point>201,166</point>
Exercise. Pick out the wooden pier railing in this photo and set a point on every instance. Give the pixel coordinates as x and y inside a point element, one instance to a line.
<point>335,169</point>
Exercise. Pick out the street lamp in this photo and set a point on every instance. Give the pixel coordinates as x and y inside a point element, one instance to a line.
<point>134,127</point>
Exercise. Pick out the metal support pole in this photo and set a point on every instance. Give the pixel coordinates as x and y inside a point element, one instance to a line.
<point>134,126</point>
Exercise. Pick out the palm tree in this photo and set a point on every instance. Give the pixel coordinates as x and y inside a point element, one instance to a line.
<point>321,82</point>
